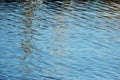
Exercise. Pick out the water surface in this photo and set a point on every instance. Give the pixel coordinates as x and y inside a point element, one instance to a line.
<point>69,40</point>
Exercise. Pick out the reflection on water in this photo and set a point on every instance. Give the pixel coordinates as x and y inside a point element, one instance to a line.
<point>69,40</point>
<point>26,43</point>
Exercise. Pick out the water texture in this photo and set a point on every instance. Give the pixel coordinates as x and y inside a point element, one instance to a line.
<point>69,40</point>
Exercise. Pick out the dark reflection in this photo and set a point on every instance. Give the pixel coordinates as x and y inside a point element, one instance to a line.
<point>116,1</point>
<point>13,0</point>
<point>27,41</point>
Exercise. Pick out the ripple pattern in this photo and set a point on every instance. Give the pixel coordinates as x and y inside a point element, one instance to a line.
<point>68,40</point>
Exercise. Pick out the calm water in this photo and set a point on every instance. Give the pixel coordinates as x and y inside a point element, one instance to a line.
<point>60,41</point>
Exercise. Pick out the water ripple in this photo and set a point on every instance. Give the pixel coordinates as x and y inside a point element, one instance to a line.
<point>68,40</point>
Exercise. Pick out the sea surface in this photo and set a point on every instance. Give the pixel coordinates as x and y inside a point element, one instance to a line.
<point>68,40</point>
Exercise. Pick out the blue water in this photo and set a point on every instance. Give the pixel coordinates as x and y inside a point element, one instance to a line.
<point>69,40</point>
